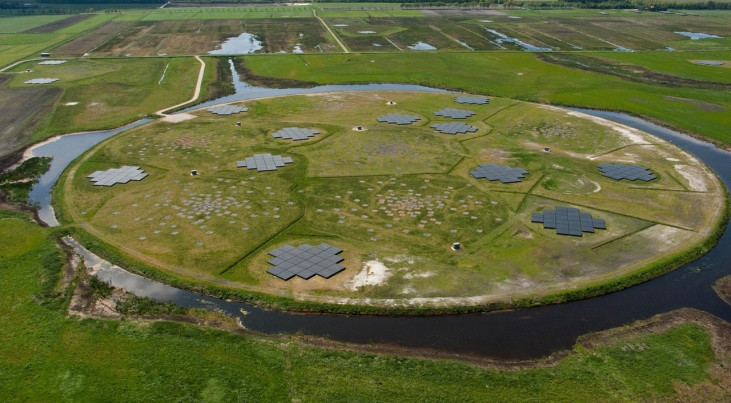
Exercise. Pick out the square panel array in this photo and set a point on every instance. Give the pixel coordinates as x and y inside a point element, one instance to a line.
<point>305,261</point>
<point>113,176</point>
<point>295,133</point>
<point>503,173</point>
<point>41,81</point>
<point>264,162</point>
<point>398,119</point>
<point>472,100</point>
<point>454,113</point>
<point>453,128</point>
<point>626,171</point>
<point>228,109</point>
<point>568,221</point>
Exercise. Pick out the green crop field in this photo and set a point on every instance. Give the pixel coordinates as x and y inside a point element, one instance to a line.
<point>391,196</point>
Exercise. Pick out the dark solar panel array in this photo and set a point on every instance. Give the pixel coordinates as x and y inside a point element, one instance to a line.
<point>454,128</point>
<point>113,176</point>
<point>454,113</point>
<point>398,119</point>
<point>472,100</point>
<point>295,133</point>
<point>228,110</point>
<point>503,173</point>
<point>568,221</point>
<point>305,261</point>
<point>629,171</point>
<point>264,162</point>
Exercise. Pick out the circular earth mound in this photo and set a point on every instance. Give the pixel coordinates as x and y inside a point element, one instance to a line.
<point>394,198</point>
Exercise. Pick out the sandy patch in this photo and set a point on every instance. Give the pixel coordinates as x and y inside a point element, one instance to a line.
<point>178,117</point>
<point>425,274</point>
<point>373,273</point>
<point>665,237</point>
<point>694,176</point>
<point>632,135</point>
<point>672,159</point>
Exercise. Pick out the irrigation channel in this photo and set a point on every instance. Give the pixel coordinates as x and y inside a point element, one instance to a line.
<point>510,335</point>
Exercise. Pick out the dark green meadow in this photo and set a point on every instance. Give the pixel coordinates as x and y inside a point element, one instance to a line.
<point>47,355</point>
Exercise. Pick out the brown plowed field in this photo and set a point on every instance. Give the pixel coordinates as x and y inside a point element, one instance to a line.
<point>20,112</point>
<point>93,39</point>
<point>60,24</point>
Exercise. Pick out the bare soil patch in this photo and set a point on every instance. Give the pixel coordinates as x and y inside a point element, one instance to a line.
<point>93,39</point>
<point>704,106</point>
<point>723,289</point>
<point>21,110</point>
<point>60,24</point>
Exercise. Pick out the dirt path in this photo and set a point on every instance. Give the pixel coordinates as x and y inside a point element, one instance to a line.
<point>184,116</point>
<point>324,24</point>
<point>16,63</point>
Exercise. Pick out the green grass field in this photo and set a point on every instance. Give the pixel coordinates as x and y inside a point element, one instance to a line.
<point>399,195</point>
<point>47,355</point>
<point>107,93</point>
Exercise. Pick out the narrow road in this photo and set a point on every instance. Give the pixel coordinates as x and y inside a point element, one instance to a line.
<point>197,92</point>
<point>314,13</point>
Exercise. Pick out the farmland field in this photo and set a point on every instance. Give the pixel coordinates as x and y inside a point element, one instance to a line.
<point>396,196</point>
<point>106,93</point>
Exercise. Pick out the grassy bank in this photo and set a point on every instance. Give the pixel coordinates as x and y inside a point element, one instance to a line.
<point>45,355</point>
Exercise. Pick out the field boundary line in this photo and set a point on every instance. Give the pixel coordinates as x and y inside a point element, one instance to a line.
<point>324,24</point>
<point>196,93</point>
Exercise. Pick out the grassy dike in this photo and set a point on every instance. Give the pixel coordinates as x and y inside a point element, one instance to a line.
<point>517,75</point>
<point>598,286</point>
<point>46,355</point>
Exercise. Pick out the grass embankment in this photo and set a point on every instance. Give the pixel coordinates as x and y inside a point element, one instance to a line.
<point>46,355</point>
<point>517,75</point>
<point>400,195</point>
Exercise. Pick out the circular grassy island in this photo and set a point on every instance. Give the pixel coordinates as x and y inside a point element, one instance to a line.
<point>395,198</point>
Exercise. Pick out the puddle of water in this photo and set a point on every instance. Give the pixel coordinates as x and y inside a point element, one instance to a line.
<point>697,35</point>
<point>622,49</point>
<point>465,45</point>
<point>502,38</point>
<point>162,77</point>
<point>710,62</point>
<point>422,46</point>
<point>239,45</point>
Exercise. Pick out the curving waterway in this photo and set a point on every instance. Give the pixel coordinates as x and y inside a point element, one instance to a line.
<point>520,334</point>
